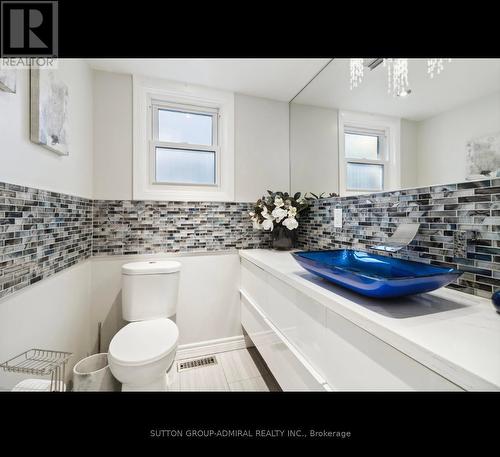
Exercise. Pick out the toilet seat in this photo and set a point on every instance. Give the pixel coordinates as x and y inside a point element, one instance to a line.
<point>143,342</point>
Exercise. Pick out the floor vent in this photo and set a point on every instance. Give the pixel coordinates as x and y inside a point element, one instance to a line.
<point>196,363</point>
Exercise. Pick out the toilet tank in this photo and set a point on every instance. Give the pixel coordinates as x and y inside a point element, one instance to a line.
<point>150,289</point>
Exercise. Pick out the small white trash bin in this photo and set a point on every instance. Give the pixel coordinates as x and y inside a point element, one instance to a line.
<point>93,374</point>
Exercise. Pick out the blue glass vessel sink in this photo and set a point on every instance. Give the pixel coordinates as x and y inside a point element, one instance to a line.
<point>375,275</point>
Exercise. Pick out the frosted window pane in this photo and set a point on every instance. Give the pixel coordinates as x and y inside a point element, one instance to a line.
<point>179,127</point>
<point>361,146</point>
<point>185,166</point>
<point>365,176</point>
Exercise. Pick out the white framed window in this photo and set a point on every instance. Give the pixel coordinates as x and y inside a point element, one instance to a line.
<point>366,159</point>
<point>368,153</point>
<point>183,142</point>
<point>184,147</point>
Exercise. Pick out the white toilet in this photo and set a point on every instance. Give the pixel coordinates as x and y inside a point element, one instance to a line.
<point>141,352</point>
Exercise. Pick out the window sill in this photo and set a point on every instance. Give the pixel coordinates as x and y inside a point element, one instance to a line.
<point>183,195</point>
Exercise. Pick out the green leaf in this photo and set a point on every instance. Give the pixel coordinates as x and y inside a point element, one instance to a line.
<point>296,196</point>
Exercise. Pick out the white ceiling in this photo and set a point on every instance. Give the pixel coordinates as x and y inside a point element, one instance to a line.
<point>277,79</point>
<point>461,81</point>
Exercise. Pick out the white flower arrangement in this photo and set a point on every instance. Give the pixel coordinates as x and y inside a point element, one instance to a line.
<point>278,209</point>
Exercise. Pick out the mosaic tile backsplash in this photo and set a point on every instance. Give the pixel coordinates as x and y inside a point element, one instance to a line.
<point>143,227</point>
<point>41,233</point>
<point>459,228</point>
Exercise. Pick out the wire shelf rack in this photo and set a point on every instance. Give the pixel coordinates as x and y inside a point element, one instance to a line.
<point>41,362</point>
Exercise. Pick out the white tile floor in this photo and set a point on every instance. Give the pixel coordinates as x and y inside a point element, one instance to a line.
<point>239,370</point>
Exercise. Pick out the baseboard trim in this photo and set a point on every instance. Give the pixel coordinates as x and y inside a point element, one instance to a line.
<point>185,351</point>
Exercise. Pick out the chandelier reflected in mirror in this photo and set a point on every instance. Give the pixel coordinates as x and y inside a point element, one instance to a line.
<point>397,72</point>
<point>356,67</point>
<point>435,66</point>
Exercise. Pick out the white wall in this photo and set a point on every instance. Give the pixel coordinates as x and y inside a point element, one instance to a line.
<point>442,139</point>
<point>112,136</point>
<point>208,306</point>
<point>25,163</point>
<point>408,145</point>
<point>51,314</point>
<point>261,147</point>
<point>314,153</point>
<point>261,141</point>
<point>54,313</point>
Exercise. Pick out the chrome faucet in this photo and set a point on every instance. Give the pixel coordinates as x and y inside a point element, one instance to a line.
<point>401,238</point>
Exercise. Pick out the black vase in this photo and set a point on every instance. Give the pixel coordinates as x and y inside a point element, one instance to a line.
<point>495,298</point>
<point>283,239</point>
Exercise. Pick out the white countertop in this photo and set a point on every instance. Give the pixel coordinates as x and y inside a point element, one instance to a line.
<point>455,334</point>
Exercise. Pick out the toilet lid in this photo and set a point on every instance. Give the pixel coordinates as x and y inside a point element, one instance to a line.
<point>145,341</point>
<point>151,267</point>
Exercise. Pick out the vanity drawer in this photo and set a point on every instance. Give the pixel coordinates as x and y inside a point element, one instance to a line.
<point>348,357</point>
<point>254,283</point>
<point>357,360</point>
<point>299,318</point>
<point>287,365</point>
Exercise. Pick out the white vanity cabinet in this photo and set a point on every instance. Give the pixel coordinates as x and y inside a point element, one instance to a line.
<point>307,346</point>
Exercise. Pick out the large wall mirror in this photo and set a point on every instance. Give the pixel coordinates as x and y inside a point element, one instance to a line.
<point>371,125</point>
